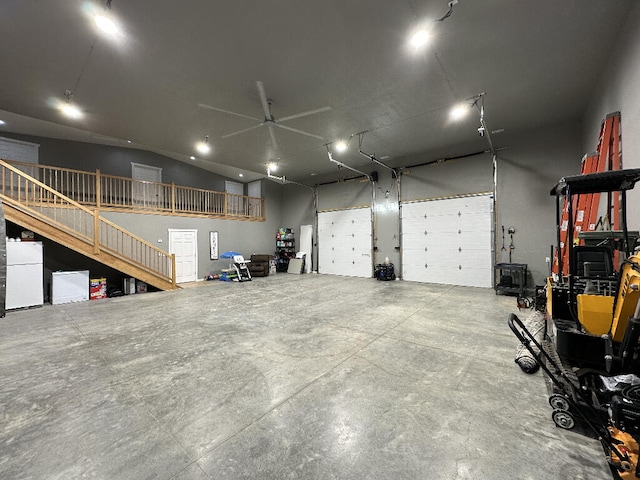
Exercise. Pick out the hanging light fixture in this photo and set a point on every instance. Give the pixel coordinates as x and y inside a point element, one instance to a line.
<point>68,108</point>
<point>420,38</point>
<point>340,146</point>
<point>105,21</point>
<point>459,111</point>
<point>204,147</point>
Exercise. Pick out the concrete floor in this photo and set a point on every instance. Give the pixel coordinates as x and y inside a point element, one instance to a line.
<point>302,377</point>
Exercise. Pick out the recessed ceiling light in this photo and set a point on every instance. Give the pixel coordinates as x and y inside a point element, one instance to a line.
<point>272,166</point>
<point>128,141</point>
<point>2,122</point>
<point>241,175</point>
<point>313,174</point>
<point>192,157</point>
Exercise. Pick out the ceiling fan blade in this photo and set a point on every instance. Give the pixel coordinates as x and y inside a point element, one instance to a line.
<point>299,131</point>
<point>273,135</point>
<point>263,99</point>
<point>304,114</point>
<point>242,131</point>
<point>229,112</point>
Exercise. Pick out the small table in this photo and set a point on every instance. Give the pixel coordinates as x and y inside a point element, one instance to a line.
<point>517,272</point>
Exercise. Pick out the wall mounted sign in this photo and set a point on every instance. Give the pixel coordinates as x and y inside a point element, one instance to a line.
<point>213,244</point>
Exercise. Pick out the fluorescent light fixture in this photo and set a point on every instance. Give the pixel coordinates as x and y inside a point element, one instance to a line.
<point>420,38</point>
<point>340,146</point>
<point>203,147</point>
<point>459,111</point>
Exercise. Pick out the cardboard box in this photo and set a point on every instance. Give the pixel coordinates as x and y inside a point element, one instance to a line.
<point>97,288</point>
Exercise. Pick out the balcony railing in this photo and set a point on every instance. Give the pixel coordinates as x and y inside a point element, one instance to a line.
<point>111,192</point>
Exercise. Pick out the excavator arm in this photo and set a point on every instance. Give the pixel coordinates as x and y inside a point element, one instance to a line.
<point>626,304</point>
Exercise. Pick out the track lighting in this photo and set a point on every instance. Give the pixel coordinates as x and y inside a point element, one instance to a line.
<point>204,147</point>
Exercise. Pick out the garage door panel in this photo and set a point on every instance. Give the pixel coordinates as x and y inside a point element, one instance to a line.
<point>457,246</point>
<point>344,242</point>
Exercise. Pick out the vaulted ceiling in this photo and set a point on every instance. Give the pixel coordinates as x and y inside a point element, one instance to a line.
<point>178,72</point>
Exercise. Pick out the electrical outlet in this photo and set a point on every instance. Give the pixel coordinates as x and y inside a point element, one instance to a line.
<point>547,260</point>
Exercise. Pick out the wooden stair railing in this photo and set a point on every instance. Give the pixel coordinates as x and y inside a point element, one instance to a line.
<point>110,192</point>
<point>83,229</point>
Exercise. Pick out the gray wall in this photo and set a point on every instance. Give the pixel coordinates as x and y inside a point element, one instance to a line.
<point>618,90</point>
<point>453,177</point>
<point>527,170</point>
<point>117,161</point>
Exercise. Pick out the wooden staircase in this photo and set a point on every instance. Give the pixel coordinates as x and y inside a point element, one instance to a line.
<point>49,213</point>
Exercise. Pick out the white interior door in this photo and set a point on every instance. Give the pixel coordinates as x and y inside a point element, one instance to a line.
<point>184,243</point>
<point>306,245</point>
<point>448,241</point>
<point>344,242</point>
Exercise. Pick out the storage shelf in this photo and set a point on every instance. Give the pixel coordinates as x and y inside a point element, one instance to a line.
<point>285,249</point>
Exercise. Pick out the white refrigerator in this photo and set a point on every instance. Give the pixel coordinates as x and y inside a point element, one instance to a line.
<point>25,279</point>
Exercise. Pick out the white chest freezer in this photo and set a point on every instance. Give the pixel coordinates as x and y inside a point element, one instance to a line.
<point>69,287</point>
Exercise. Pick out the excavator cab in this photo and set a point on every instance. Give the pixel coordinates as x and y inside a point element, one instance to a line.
<point>583,292</point>
<point>590,351</point>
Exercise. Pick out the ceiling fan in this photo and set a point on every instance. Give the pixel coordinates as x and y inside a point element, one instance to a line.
<point>269,120</point>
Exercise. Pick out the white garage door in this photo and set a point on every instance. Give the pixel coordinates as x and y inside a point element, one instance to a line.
<point>448,241</point>
<point>344,242</point>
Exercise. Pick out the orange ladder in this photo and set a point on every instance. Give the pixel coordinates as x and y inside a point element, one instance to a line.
<point>586,207</point>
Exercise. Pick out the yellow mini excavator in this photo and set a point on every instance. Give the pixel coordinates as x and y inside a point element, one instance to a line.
<point>590,352</point>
